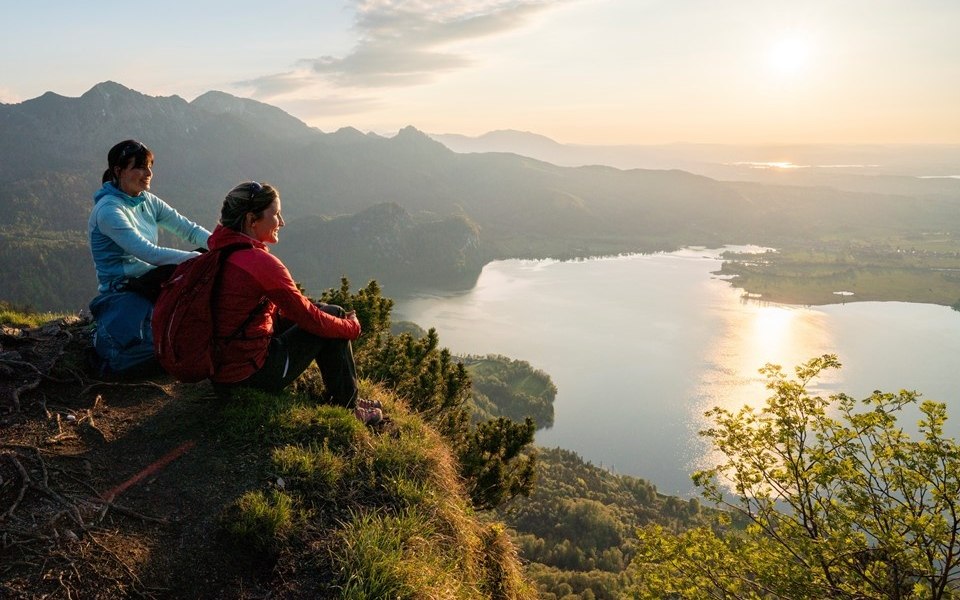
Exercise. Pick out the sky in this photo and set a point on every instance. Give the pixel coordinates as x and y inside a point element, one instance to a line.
<point>578,71</point>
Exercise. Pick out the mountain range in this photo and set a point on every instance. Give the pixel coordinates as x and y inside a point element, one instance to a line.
<point>405,210</point>
<point>882,168</point>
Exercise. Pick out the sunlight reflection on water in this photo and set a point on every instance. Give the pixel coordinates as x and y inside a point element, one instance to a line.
<point>641,346</point>
<point>753,335</point>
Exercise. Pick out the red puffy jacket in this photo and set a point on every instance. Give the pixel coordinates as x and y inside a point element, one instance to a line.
<point>249,276</point>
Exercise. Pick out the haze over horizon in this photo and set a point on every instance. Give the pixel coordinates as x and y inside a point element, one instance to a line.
<point>577,71</point>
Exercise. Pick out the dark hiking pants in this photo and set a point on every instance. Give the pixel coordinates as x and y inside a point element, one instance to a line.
<point>292,351</point>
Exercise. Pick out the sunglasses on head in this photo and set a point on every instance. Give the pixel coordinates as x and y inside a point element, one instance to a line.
<point>255,188</point>
<point>129,150</point>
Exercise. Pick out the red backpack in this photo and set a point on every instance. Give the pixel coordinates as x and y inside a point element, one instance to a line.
<point>184,316</point>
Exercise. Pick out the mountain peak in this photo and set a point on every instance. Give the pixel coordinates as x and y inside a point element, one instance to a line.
<point>216,101</point>
<point>411,132</point>
<point>411,136</point>
<point>109,88</point>
<point>48,96</point>
<point>350,133</point>
<point>268,118</point>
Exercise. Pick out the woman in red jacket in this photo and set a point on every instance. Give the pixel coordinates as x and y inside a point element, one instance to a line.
<point>272,331</point>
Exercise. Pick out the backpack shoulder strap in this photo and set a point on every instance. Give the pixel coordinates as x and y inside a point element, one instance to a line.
<point>225,252</point>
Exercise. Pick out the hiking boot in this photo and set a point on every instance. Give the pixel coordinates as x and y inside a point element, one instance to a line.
<point>368,416</point>
<point>368,403</point>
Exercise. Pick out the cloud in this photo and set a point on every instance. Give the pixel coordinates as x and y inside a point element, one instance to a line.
<point>445,21</point>
<point>386,66</point>
<point>406,43</point>
<point>271,86</point>
<point>299,94</point>
<point>403,43</point>
<point>399,43</point>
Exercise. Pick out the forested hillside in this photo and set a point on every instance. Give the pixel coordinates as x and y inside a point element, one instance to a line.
<point>512,388</point>
<point>578,529</point>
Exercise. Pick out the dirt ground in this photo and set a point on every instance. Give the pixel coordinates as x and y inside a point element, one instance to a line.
<point>112,489</point>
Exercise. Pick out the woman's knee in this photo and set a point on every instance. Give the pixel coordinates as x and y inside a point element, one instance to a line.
<point>331,309</point>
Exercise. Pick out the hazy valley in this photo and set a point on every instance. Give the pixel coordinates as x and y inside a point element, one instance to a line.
<point>446,213</point>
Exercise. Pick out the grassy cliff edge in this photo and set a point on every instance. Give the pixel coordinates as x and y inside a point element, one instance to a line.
<point>155,489</point>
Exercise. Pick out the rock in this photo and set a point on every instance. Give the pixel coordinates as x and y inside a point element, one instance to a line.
<point>13,332</point>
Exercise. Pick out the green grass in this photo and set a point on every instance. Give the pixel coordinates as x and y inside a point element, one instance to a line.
<point>316,470</point>
<point>333,426</point>
<point>375,514</point>
<point>13,315</point>
<point>409,456</point>
<point>400,556</point>
<point>531,385</point>
<point>259,520</point>
<point>504,574</point>
<point>289,418</point>
<point>251,413</point>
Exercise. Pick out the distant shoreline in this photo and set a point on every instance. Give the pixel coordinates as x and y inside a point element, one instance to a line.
<point>809,277</point>
<point>821,277</point>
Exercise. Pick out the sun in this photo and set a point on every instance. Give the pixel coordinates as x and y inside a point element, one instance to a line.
<point>790,55</point>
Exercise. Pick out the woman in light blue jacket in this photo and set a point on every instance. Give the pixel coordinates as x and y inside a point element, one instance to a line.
<point>131,265</point>
<point>125,220</point>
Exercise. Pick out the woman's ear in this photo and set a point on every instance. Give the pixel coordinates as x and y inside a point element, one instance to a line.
<point>248,220</point>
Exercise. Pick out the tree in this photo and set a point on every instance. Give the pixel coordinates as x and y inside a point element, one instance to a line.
<point>497,462</point>
<point>373,309</point>
<point>839,503</point>
<point>496,459</point>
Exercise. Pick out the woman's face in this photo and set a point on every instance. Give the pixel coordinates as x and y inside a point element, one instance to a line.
<point>134,180</point>
<point>266,229</point>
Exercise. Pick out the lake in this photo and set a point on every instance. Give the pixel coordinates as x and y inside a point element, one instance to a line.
<point>641,346</point>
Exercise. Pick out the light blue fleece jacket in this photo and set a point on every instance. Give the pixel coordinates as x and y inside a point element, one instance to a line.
<point>123,235</point>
